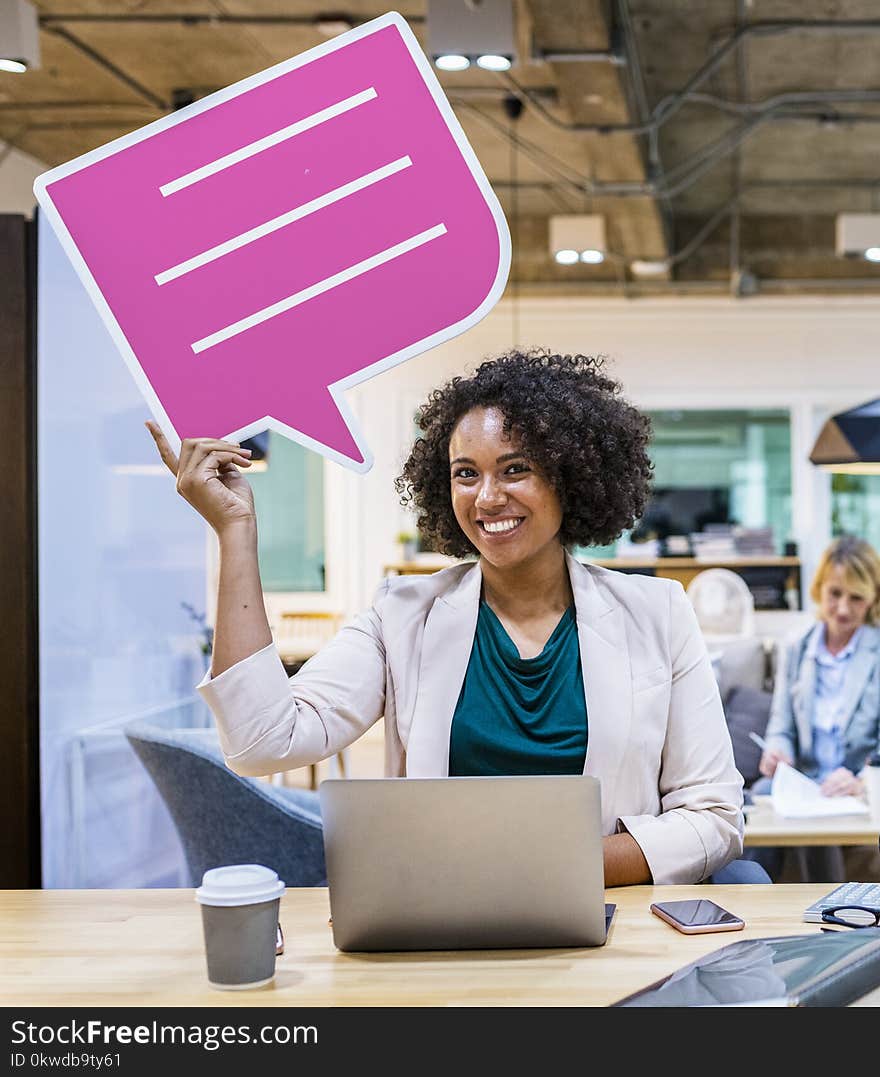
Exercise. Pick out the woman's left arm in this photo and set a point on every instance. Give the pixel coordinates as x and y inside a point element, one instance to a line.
<point>700,825</point>
<point>625,863</point>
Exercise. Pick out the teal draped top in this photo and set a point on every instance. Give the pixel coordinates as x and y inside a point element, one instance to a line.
<point>520,715</point>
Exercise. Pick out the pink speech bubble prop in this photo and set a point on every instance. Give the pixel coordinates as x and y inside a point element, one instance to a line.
<point>259,252</point>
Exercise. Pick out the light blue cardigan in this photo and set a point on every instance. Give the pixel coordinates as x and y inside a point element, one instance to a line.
<point>790,728</point>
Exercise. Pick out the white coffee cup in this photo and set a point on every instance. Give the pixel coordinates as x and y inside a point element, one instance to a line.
<point>240,920</point>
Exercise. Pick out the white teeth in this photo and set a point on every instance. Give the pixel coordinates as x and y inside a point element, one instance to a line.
<point>502,525</point>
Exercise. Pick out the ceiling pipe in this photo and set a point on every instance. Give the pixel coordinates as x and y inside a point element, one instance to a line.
<point>102,61</point>
<point>97,106</point>
<point>197,18</point>
<point>668,107</point>
<point>573,56</point>
<point>700,162</point>
<point>636,85</point>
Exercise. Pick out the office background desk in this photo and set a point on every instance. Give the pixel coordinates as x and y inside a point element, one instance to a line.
<point>770,579</point>
<point>144,948</point>
<point>765,827</point>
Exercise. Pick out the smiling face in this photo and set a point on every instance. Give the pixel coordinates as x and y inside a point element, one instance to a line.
<point>502,503</point>
<point>843,601</point>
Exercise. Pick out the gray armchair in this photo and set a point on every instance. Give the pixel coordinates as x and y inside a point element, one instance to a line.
<point>222,818</point>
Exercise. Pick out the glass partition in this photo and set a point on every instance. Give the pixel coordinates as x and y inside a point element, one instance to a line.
<point>122,579</point>
<point>118,832</point>
<point>289,497</point>
<point>717,466</point>
<point>855,507</point>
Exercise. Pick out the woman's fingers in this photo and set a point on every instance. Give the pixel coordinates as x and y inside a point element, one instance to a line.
<point>210,465</point>
<point>168,457</point>
<point>769,762</point>
<point>194,450</point>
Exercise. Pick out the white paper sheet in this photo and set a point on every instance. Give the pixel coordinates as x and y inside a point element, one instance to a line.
<point>796,796</point>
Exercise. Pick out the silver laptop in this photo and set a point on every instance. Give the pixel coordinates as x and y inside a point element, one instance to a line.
<point>464,863</point>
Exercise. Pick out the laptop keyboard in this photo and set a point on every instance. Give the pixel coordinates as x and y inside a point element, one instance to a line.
<point>845,894</point>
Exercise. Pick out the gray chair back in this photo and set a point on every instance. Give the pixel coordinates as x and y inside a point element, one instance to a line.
<point>222,818</point>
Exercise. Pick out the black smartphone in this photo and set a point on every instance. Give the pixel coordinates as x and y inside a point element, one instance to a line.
<point>696,917</point>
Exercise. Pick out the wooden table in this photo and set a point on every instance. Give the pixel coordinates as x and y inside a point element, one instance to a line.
<point>765,827</point>
<point>144,948</point>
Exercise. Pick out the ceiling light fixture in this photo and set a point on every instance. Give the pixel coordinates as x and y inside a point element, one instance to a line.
<point>850,441</point>
<point>19,36</point>
<point>332,25</point>
<point>857,235</point>
<point>465,32</point>
<point>578,237</point>
<point>649,268</point>
<point>452,62</point>
<point>490,62</point>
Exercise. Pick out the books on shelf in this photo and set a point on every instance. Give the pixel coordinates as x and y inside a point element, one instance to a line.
<point>713,545</point>
<point>725,542</point>
<point>754,541</point>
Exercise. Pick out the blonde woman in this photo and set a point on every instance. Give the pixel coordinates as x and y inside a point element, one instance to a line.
<point>825,716</point>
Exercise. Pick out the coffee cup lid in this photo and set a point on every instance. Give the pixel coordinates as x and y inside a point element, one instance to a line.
<point>239,884</point>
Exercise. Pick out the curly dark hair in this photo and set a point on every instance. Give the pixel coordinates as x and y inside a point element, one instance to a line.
<point>588,442</point>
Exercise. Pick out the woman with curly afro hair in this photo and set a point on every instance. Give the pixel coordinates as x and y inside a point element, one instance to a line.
<point>520,661</point>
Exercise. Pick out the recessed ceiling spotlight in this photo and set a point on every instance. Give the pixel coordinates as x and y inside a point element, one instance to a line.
<point>19,36</point>
<point>452,62</point>
<point>577,237</point>
<point>567,257</point>
<point>856,234</point>
<point>332,25</point>
<point>648,267</point>
<point>494,63</point>
<point>473,31</point>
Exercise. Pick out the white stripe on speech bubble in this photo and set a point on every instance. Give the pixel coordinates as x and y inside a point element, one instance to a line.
<point>266,143</point>
<point>282,221</point>
<point>322,286</point>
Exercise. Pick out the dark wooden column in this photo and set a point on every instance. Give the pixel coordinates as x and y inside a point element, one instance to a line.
<point>19,645</point>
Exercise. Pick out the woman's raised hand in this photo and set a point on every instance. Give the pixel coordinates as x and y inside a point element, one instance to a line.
<point>770,760</point>
<point>208,478</point>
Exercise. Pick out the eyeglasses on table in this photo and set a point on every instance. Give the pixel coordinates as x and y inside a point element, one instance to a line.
<point>852,916</point>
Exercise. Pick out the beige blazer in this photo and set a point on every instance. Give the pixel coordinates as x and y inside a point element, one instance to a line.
<point>657,738</point>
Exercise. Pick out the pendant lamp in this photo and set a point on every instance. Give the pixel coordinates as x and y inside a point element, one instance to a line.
<point>850,441</point>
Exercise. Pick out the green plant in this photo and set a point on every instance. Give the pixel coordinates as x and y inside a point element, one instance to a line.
<point>405,536</point>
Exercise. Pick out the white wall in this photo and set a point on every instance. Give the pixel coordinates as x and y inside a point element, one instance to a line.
<point>17,174</point>
<point>815,356</point>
